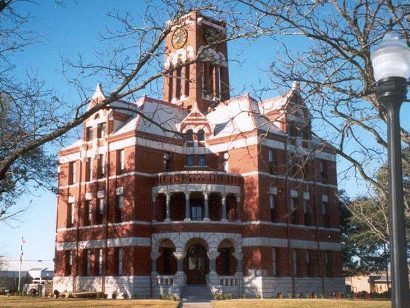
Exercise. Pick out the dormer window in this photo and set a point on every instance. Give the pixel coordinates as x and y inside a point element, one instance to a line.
<point>88,133</point>
<point>189,135</point>
<point>101,130</point>
<point>201,135</point>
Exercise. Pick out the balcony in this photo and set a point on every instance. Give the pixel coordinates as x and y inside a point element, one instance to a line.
<point>193,196</point>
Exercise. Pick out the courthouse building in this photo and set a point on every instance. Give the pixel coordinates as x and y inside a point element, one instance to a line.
<point>198,188</point>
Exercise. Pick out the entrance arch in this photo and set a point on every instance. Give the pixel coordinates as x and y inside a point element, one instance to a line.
<point>196,262</point>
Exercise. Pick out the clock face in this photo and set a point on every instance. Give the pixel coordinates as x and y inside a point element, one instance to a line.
<point>179,38</point>
<point>212,35</point>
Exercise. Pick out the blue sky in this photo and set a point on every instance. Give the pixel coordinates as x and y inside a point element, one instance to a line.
<point>71,30</point>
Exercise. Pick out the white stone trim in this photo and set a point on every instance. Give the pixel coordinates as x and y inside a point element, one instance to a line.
<point>119,190</point>
<point>180,239</point>
<point>325,198</point>
<point>116,224</point>
<point>100,194</point>
<point>306,195</point>
<point>294,193</point>
<point>197,187</point>
<point>115,242</point>
<point>276,242</point>
<point>88,196</point>
<point>273,191</point>
<point>71,199</point>
<point>281,177</point>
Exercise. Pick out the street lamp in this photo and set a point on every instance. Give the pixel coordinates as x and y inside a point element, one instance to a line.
<point>391,65</point>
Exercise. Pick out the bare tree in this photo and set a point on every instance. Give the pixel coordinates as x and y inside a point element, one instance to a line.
<point>335,72</point>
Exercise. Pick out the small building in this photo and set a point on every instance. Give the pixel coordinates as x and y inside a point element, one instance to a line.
<point>373,283</point>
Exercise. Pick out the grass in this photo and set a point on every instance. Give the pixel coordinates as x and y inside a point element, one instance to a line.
<point>37,302</point>
<point>308,303</point>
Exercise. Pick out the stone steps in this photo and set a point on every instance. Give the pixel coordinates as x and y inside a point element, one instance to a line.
<point>196,294</point>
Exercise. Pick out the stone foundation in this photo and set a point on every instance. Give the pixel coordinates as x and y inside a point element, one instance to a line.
<point>132,286</point>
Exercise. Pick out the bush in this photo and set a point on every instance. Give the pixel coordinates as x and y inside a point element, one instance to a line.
<point>114,295</point>
<point>56,293</point>
<point>258,296</point>
<point>124,295</point>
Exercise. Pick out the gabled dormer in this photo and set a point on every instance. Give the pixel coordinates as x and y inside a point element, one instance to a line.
<point>195,126</point>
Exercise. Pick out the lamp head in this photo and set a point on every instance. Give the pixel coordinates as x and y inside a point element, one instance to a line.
<point>391,58</point>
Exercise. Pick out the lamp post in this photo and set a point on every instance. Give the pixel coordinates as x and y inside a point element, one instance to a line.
<point>391,65</point>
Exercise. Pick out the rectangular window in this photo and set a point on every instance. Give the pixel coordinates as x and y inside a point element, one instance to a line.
<point>70,214</point>
<point>306,212</point>
<point>88,169</point>
<point>119,257</point>
<point>88,262</point>
<point>101,165</point>
<point>190,160</point>
<point>323,170</point>
<point>88,133</point>
<point>273,206</point>
<point>295,262</point>
<point>99,270</point>
<point>167,161</point>
<point>120,161</point>
<point>88,213</point>
<point>328,264</point>
<point>100,211</point>
<point>68,255</point>
<point>119,217</point>
<point>72,172</point>
<point>201,160</point>
<point>309,264</point>
<point>272,162</point>
<point>101,130</point>
<point>325,211</point>
<point>293,209</point>
<point>274,262</point>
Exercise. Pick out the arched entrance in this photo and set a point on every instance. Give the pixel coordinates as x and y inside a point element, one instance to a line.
<point>196,263</point>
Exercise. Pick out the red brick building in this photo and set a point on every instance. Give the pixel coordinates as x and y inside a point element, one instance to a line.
<point>198,188</point>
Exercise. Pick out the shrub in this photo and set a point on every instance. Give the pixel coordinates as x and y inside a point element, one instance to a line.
<point>258,296</point>
<point>56,293</point>
<point>114,295</point>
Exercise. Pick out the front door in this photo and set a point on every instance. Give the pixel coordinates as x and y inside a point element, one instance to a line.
<point>196,264</point>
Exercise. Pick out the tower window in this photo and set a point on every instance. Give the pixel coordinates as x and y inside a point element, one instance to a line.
<point>201,135</point>
<point>88,166</point>
<point>178,90</point>
<point>293,202</point>
<point>70,214</point>
<point>272,162</point>
<point>201,160</point>
<point>120,161</point>
<point>88,262</point>
<point>295,262</point>
<point>101,165</point>
<point>306,211</point>
<point>189,135</point>
<point>119,255</point>
<point>99,269</point>
<point>72,172</point>
<point>190,160</point>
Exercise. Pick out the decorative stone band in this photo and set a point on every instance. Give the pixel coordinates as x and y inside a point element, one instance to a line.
<point>277,242</point>
<point>163,146</point>
<point>113,242</point>
<point>243,223</point>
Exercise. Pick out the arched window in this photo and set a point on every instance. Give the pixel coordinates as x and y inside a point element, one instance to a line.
<point>189,135</point>
<point>201,135</point>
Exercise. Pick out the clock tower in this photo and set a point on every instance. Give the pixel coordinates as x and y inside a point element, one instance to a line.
<point>196,59</point>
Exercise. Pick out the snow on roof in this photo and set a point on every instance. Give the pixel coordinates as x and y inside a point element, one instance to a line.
<point>98,93</point>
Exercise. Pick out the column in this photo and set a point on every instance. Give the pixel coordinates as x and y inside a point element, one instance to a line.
<point>168,207</point>
<point>154,257</point>
<point>238,207</point>
<point>238,256</point>
<point>213,276</point>
<point>224,208</point>
<point>206,206</point>
<point>187,207</point>
<point>179,278</point>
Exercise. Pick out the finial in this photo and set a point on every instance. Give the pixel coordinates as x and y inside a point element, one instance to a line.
<point>98,92</point>
<point>295,86</point>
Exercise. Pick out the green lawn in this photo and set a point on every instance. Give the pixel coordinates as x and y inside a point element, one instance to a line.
<point>35,302</point>
<point>308,303</point>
